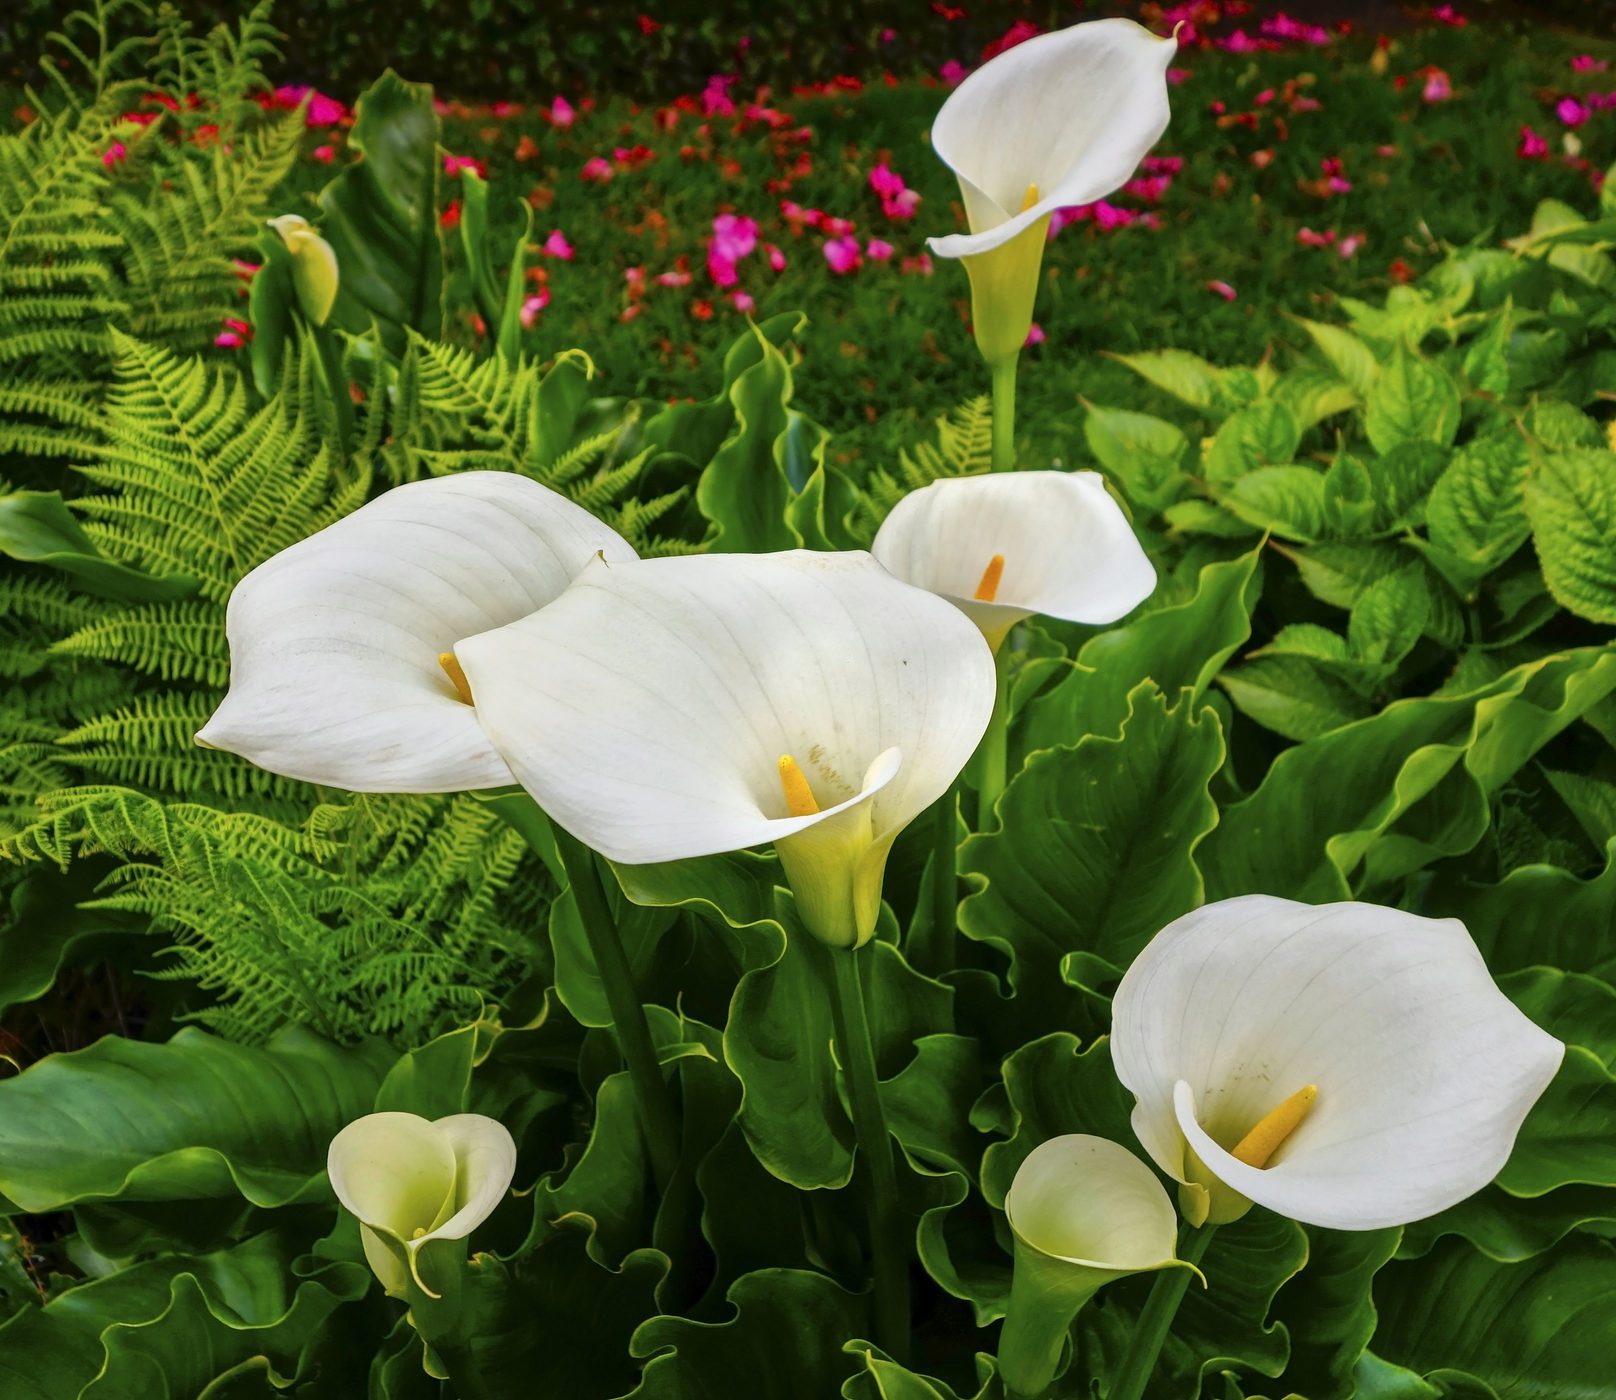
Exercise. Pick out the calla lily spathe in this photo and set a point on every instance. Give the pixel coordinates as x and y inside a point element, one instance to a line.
<point>1083,1211</point>
<point>681,707</point>
<point>418,1187</point>
<point>1058,120</point>
<point>1004,547</point>
<point>1345,1065</point>
<point>314,265</point>
<point>335,642</point>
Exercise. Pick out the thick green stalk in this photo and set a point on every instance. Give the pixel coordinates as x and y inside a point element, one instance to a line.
<point>888,1245</point>
<point>657,1110</point>
<point>1003,373</point>
<point>936,954</point>
<point>1150,1332</point>
<point>993,753</point>
<point>331,368</point>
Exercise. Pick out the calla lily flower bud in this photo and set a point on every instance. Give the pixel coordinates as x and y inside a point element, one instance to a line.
<point>418,1188</point>
<point>1083,1211</point>
<point>1058,120</point>
<point>1345,1065</point>
<point>314,266</point>
<point>1003,547</point>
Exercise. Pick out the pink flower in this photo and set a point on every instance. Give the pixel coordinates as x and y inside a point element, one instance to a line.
<point>532,306</point>
<point>1587,63</point>
<point>921,265</point>
<point>721,268</point>
<point>1035,335</point>
<point>879,250</point>
<point>114,154</point>
<point>1018,33</point>
<point>898,201</point>
<point>561,113</point>
<point>1348,246</point>
<point>246,271</point>
<point>1309,239</point>
<point>1532,146</point>
<point>322,110</point>
<point>1446,14</point>
<point>842,254</point>
<point>1175,76</point>
<point>597,170</point>
<point>834,227</point>
<point>556,246</point>
<point>228,340</point>
<point>453,165</point>
<point>777,259</point>
<point>1437,86</point>
<point>1162,165</point>
<point>715,98</point>
<point>1571,112</point>
<point>676,278</point>
<point>953,72</point>
<point>324,154</point>
<point>735,235</point>
<point>742,302</point>
<point>1223,289</point>
<point>1149,188</point>
<point>1282,26</point>
<point>886,181</point>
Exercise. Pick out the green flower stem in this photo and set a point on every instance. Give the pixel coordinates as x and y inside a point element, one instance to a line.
<point>465,1379</point>
<point>888,1246</point>
<point>657,1110</point>
<point>993,753</point>
<point>1157,1318</point>
<point>936,954</point>
<point>1003,373</point>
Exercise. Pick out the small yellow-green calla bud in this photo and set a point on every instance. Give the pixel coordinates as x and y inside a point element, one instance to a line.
<point>314,266</point>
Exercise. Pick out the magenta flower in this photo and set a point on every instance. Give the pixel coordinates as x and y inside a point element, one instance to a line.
<point>953,72</point>
<point>742,302</point>
<point>324,154</point>
<point>1348,246</point>
<point>114,154</point>
<point>322,110</point>
<point>715,98</point>
<point>1571,112</point>
<point>1437,86</point>
<point>1223,289</point>
<point>879,250</point>
<point>777,259</point>
<point>735,235</point>
<point>1035,335</point>
<point>597,170</point>
<point>1587,63</point>
<point>556,246</point>
<point>453,165</point>
<point>1309,239</point>
<point>842,254</point>
<point>898,201</point>
<point>1532,146</point>
<point>561,113</point>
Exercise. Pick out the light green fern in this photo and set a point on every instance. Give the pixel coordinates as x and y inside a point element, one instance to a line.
<point>964,447</point>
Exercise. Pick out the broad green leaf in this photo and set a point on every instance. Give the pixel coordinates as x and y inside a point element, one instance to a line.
<point>1184,376</point>
<point>1179,648</point>
<point>1403,478</point>
<point>47,931</point>
<point>1592,801</point>
<point>1265,434</point>
<point>1097,843</point>
<point>1511,1228</point>
<point>1349,498</point>
<point>190,1119</point>
<point>1476,514</point>
<point>783,1343</point>
<point>36,527</point>
<point>1557,424</point>
<point>1486,360</point>
<point>1290,501</point>
<point>1387,620</point>
<point>172,1326</point>
<point>1422,770</point>
<point>1292,696</point>
<point>1354,361</point>
<point>1413,400</point>
<point>1545,1327</point>
<point>380,215</point>
<point>1143,455</point>
<point>1571,503</point>
<point>557,1322</point>
<point>884,1379</point>
<point>1312,395</point>
<point>1327,1307</point>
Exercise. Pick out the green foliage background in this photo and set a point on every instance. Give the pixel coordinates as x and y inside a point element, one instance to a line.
<point>1378,666</point>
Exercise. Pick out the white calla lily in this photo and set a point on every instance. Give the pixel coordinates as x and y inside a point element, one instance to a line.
<point>335,642</point>
<point>1058,120</point>
<point>413,1182</point>
<point>1083,1211</point>
<point>1345,1065</point>
<point>1006,546</point>
<point>681,707</point>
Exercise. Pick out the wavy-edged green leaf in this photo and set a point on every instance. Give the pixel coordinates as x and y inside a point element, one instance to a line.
<point>1413,400</point>
<point>1142,454</point>
<point>1096,844</point>
<point>36,527</point>
<point>191,1119</point>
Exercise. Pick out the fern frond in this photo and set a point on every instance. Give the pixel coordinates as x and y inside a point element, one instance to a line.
<point>964,447</point>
